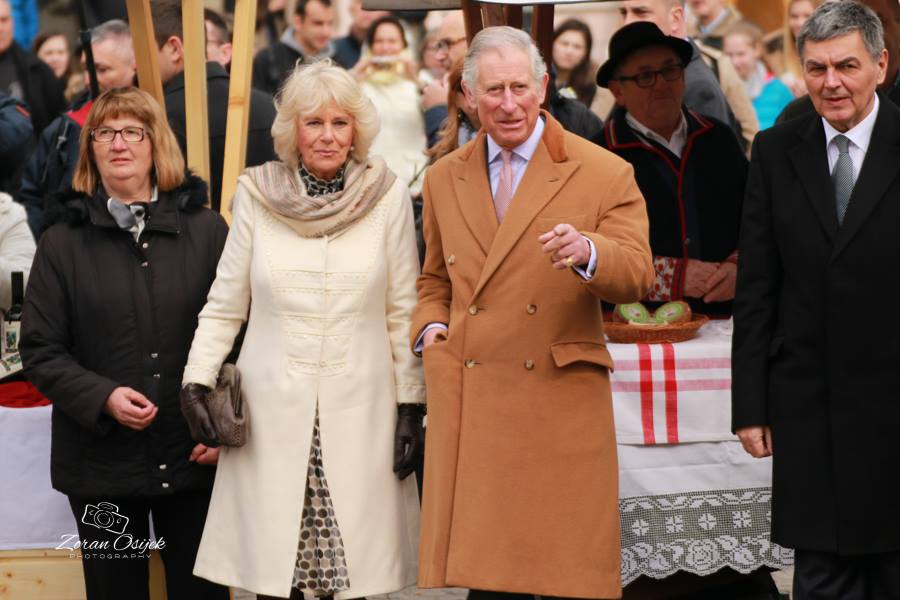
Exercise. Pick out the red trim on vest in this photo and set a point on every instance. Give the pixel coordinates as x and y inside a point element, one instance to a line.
<point>80,115</point>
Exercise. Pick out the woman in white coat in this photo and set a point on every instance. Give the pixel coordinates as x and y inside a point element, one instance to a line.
<point>321,263</point>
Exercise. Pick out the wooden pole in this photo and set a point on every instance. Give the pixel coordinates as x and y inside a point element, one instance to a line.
<point>195,105</point>
<point>472,16</point>
<point>513,14</point>
<point>492,15</point>
<point>238,101</point>
<point>542,33</point>
<point>146,52</point>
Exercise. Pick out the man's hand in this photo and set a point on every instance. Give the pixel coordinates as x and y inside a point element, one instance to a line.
<point>696,276</point>
<point>130,408</point>
<point>721,284</point>
<point>563,243</point>
<point>204,455</point>
<point>431,335</point>
<point>757,441</point>
<point>435,93</point>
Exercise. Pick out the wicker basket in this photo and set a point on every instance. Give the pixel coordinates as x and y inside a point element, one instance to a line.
<point>623,333</point>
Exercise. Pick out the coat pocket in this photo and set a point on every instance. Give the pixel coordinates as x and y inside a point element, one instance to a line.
<point>568,353</point>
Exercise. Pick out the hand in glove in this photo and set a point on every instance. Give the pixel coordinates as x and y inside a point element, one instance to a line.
<point>409,439</point>
<point>193,407</point>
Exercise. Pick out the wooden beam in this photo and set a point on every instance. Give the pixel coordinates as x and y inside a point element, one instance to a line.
<point>492,15</point>
<point>472,16</point>
<point>146,52</point>
<point>238,101</point>
<point>542,33</point>
<point>513,14</point>
<point>195,105</point>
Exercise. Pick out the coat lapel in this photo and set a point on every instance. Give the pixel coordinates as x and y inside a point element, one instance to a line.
<point>811,162</point>
<point>879,170</point>
<point>546,173</point>
<point>471,186</point>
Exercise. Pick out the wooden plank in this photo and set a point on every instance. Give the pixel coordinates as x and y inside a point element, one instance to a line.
<point>238,101</point>
<point>513,15</point>
<point>195,105</point>
<point>472,16</point>
<point>542,33</point>
<point>146,52</point>
<point>57,575</point>
<point>492,15</point>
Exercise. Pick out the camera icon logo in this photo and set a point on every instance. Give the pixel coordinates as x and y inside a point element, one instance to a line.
<point>104,515</point>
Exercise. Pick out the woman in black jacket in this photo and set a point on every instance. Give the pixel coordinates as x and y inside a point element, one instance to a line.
<point>110,311</point>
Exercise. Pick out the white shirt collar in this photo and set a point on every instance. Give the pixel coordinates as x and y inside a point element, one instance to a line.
<point>525,150</point>
<point>859,135</point>
<point>675,143</point>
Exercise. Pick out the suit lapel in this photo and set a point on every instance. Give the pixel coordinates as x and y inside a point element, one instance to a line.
<point>811,163</point>
<point>472,189</point>
<point>879,170</point>
<point>542,181</point>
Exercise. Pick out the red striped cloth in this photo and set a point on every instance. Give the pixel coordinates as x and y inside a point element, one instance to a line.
<point>672,393</point>
<point>21,394</point>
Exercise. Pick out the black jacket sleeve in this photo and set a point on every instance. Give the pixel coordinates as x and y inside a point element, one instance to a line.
<point>756,301</point>
<point>47,347</point>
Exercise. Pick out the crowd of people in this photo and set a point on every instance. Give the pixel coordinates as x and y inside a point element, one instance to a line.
<point>425,211</point>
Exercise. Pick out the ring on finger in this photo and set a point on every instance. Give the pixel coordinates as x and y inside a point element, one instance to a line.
<point>569,262</point>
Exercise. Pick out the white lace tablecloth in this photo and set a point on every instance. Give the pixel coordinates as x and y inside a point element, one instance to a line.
<point>690,498</point>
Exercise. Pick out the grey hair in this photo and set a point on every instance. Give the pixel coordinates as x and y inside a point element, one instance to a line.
<point>836,19</point>
<point>109,29</point>
<point>494,38</point>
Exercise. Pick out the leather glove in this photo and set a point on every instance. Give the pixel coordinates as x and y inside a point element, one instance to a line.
<point>193,407</point>
<point>409,439</point>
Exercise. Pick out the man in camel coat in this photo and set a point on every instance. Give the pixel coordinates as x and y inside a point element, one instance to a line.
<point>527,228</point>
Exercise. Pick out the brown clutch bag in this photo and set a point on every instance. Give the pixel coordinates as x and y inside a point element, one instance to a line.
<point>226,408</point>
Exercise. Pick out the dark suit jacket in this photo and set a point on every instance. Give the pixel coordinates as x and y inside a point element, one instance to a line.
<point>260,148</point>
<point>816,343</point>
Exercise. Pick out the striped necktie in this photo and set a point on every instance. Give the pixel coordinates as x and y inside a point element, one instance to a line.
<point>842,177</point>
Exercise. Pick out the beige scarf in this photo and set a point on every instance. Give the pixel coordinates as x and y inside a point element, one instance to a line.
<point>281,190</point>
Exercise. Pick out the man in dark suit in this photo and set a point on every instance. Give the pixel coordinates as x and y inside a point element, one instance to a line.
<point>814,365</point>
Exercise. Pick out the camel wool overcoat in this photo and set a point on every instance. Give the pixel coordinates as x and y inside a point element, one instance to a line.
<point>521,477</point>
<point>326,331</point>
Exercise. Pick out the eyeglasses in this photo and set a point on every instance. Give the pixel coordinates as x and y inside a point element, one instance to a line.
<point>447,43</point>
<point>646,79</point>
<point>105,135</point>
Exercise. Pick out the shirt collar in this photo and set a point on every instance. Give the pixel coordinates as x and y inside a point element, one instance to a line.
<point>859,135</point>
<point>525,150</point>
<point>679,136</point>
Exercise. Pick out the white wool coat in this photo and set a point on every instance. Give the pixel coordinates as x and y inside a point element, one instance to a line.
<point>327,326</point>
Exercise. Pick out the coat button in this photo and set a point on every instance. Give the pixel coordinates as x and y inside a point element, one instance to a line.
<point>145,245</point>
<point>451,259</point>
<point>531,309</point>
<point>470,364</point>
<point>163,467</point>
<point>165,485</point>
<point>473,310</point>
<point>154,355</point>
<point>145,264</point>
<point>156,376</point>
<point>529,364</point>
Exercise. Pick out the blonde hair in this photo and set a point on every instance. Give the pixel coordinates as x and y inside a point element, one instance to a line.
<point>312,87</point>
<point>168,162</point>
<point>789,42</point>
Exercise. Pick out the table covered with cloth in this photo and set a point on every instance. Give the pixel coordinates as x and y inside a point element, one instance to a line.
<point>690,498</point>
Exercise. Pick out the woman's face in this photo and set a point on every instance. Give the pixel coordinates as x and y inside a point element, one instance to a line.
<point>123,166</point>
<point>463,105</point>
<point>55,52</point>
<point>798,13</point>
<point>742,53</point>
<point>387,41</point>
<point>569,49</point>
<point>324,139</point>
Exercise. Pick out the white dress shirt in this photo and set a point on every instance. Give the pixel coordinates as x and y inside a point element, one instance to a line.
<point>675,144</point>
<point>859,137</point>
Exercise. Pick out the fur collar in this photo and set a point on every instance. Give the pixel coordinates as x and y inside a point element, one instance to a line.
<point>69,206</point>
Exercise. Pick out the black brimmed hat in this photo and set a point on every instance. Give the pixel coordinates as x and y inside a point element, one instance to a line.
<point>635,36</point>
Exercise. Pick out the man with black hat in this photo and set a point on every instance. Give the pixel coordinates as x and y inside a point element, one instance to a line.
<point>694,214</point>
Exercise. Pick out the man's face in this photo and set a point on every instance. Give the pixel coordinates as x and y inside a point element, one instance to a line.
<point>6,26</point>
<point>506,95</point>
<point>314,30</point>
<point>889,14</point>
<point>659,12</point>
<point>658,106</point>
<point>452,41</point>
<point>114,61</point>
<point>217,49</point>
<point>171,59</point>
<point>705,9</point>
<point>363,19</point>
<point>841,77</point>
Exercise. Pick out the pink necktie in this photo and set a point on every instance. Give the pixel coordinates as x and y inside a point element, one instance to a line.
<point>505,187</point>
